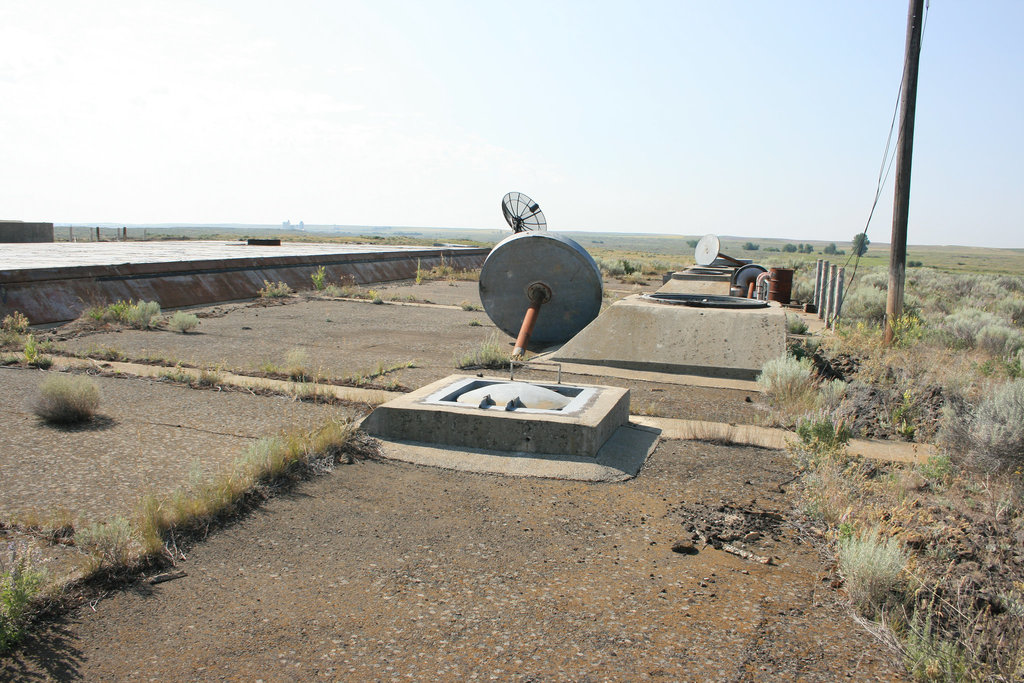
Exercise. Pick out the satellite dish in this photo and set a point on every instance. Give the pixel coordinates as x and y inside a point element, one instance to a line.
<point>522,213</point>
<point>707,251</point>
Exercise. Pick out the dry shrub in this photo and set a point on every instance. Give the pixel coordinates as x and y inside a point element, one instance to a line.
<point>296,363</point>
<point>872,567</point>
<point>786,384</point>
<point>990,434</point>
<point>110,541</point>
<point>183,322</point>
<point>142,314</point>
<point>67,399</point>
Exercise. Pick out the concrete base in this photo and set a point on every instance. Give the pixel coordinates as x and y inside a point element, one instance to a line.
<point>578,431</point>
<point>637,334</point>
<point>619,459</point>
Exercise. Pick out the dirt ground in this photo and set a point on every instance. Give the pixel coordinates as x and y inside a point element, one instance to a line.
<point>388,571</point>
<point>384,571</point>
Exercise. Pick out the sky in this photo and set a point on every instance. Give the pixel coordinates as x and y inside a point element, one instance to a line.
<point>757,119</point>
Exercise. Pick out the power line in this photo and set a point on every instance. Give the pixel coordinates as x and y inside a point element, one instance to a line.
<point>886,167</point>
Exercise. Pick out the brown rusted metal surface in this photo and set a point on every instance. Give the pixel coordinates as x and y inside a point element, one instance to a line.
<point>49,295</point>
<point>780,286</point>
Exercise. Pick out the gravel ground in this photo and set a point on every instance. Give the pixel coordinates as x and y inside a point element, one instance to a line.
<point>384,571</point>
<point>150,436</point>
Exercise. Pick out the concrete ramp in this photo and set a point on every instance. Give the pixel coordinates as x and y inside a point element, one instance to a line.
<point>638,334</point>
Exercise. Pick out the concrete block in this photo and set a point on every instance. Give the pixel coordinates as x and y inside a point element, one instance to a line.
<point>580,429</point>
<point>638,334</point>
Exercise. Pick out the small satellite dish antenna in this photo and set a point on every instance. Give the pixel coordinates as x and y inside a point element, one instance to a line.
<point>708,250</point>
<point>522,213</point>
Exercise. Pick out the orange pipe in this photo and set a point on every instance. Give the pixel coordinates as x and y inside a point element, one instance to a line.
<point>529,320</point>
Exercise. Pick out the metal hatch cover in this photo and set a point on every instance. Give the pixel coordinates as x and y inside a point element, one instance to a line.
<point>527,261</point>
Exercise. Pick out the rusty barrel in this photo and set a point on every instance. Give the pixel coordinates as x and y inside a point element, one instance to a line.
<point>780,284</point>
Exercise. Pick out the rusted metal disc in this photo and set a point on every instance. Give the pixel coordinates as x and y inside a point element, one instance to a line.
<point>532,261</point>
<point>706,250</point>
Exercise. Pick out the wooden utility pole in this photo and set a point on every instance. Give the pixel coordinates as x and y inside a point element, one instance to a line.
<point>904,156</point>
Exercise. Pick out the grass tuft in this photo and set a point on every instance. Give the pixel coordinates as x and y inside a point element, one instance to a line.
<point>67,399</point>
<point>491,353</point>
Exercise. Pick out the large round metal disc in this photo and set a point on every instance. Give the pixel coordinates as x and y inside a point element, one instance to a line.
<point>556,262</point>
<point>706,250</point>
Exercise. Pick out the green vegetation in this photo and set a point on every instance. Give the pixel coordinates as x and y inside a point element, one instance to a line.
<point>860,244</point>
<point>183,322</point>
<point>795,324</point>
<point>872,567</point>
<point>469,306</point>
<point>110,542</point>
<point>20,582</point>
<point>67,399</point>
<point>319,277</point>
<point>274,290</point>
<point>139,315</point>
<point>491,353</point>
<point>14,323</point>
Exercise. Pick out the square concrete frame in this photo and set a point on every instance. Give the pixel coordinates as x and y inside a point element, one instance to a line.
<point>414,417</point>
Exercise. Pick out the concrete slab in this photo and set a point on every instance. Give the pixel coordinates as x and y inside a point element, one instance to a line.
<point>32,256</point>
<point>637,334</point>
<point>580,429</point>
<point>619,459</point>
<point>58,282</point>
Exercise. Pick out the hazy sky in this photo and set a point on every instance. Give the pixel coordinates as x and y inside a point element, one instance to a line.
<point>742,118</point>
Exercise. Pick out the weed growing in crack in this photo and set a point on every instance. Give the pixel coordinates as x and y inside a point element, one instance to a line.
<point>489,354</point>
<point>110,542</point>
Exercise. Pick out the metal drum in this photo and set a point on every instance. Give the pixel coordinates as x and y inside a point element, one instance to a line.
<point>780,285</point>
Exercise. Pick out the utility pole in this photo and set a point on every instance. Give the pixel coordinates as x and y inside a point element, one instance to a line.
<point>905,153</point>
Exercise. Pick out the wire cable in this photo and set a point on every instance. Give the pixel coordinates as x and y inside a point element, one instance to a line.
<point>884,169</point>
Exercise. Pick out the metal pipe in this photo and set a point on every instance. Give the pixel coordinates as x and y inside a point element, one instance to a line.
<point>529,320</point>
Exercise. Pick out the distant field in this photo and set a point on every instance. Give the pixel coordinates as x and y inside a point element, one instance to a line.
<point>671,250</point>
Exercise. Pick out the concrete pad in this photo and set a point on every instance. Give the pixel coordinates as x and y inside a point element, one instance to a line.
<point>619,459</point>
<point>57,282</point>
<point>638,334</point>
<point>425,416</point>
